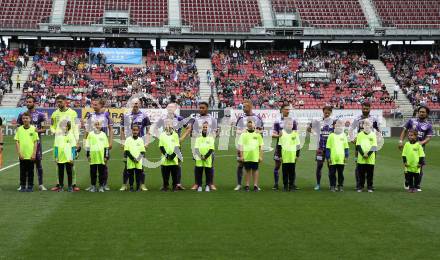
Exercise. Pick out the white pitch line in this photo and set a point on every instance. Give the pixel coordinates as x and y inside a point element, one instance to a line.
<point>118,141</point>
<point>15,164</point>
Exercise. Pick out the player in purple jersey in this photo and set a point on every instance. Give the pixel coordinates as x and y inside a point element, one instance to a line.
<point>135,117</point>
<point>240,128</point>
<point>276,132</point>
<point>195,126</point>
<point>38,120</point>
<point>357,126</point>
<point>99,114</point>
<point>424,135</point>
<point>324,128</point>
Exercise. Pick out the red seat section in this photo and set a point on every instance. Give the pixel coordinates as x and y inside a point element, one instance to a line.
<point>220,15</point>
<point>283,6</point>
<point>69,73</point>
<point>24,14</point>
<point>418,75</point>
<point>409,14</point>
<point>269,79</point>
<point>324,13</point>
<point>150,13</point>
<point>331,14</point>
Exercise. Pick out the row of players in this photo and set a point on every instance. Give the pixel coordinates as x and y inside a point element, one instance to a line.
<point>333,147</point>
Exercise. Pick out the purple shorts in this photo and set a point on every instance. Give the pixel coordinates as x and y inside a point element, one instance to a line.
<point>39,154</point>
<point>320,155</point>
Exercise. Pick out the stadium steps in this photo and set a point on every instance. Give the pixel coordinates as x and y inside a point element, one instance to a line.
<point>12,99</point>
<point>370,13</point>
<point>266,13</point>
<point>203,65</point>
<point>386,78</point>
<point>58,11</point>
<point>174,13</point>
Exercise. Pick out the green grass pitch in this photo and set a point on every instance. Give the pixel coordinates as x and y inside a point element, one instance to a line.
<point>388,224</point>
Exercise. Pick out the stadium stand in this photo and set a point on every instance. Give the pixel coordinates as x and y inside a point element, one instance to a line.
<point>142,12</point>
<point>325,14</point>
<point>6,68</point>
<point>70,73</point>
<point>408,14</point>
<point>417,73</point>
<point>283,6</point>
<point>270,78</point>
<point>220,15</point>
<point>225,15</point>
<point>24,14</point>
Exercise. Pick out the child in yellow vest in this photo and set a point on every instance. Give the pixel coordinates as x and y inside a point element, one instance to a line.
<point>250,148</point>
<point>134,148</point>
<point>413,159</point>
<point>290,152</point>
<point>204,147</point>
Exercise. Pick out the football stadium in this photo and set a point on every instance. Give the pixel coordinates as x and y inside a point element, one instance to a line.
<point>227,129</point>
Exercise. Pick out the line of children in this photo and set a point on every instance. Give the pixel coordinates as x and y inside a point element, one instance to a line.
<point>250,146</point>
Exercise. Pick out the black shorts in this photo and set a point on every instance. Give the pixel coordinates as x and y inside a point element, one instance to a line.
<point>250,166</point>
<point>277,153</point>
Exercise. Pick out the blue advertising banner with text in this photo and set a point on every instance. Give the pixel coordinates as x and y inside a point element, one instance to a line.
<point>119,55</point>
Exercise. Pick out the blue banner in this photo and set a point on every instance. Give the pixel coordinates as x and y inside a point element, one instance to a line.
<point>11,114</point>
<point>118,55</point>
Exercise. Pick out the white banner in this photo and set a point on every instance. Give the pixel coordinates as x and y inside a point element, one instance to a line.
<point>307,115</point>
<point>155,114</point>
<point>268,116</point>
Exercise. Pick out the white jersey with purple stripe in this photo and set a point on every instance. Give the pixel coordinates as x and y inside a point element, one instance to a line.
<point>177,122</point>
<point>423,128</point>
<point>140,118</point>
<point>103,117</point>
<point>278,125</point>
<point>358,123</point>
<point>198,121</point>
<point>243,119</point>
